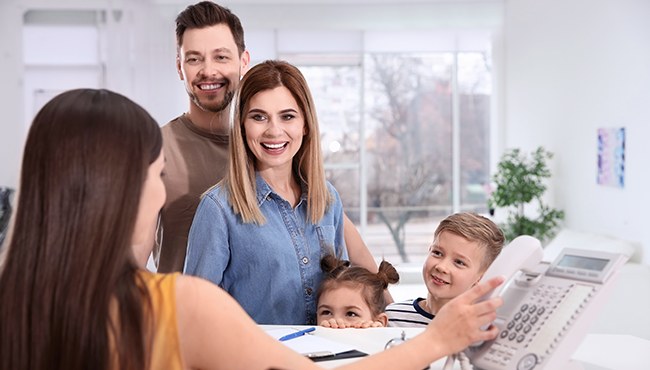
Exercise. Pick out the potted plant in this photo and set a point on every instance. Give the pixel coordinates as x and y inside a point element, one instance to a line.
<point>520,184</point>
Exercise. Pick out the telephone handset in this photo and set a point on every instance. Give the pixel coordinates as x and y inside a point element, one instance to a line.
<point>547,307</point>
<point>522,255</point>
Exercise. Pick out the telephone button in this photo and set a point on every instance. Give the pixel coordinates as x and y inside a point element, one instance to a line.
<point>504,334</point>
<point>525,318</point>
<point>540,310</point>
<point>533,320</point>
<point>512,336</point>
<point>517,315</point>
<point>519,326</point>
<point>520,338</point>
<point>532,309</point>
<point>527,362</point>
<point>511,324</point>
<point>524,307</point>
<point>527,329</point>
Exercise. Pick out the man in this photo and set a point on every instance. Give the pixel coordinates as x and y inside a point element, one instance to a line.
<point>210,61</point>
<point>211,58</point>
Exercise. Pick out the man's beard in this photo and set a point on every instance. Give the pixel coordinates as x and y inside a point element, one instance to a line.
<point>214,107</point>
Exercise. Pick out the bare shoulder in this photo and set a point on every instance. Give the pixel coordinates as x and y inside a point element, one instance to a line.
<point>199,319</point>
<point>192,289</point>
<point>207,318</point>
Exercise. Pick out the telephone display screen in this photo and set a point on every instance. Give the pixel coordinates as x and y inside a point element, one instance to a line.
<point>581,262</point>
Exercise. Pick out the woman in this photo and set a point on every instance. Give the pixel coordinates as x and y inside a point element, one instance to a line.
<point>74,293</point>
<point>260,234</point>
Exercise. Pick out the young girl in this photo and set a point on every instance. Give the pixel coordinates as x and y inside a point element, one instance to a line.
<point>353,297</point>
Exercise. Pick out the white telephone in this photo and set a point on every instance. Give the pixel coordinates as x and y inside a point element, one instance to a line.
<point>547,308</point>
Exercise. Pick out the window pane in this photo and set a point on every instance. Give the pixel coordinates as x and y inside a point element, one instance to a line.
<point>407,141</point>
<point>408,100</point>
<point>336,92</point>
<point>474,86</point>
<point>346,182</point>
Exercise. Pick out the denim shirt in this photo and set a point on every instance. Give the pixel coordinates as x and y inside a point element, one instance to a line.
<point>272,270</point>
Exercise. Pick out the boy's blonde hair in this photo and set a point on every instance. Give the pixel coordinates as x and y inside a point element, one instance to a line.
<point>475,228</point>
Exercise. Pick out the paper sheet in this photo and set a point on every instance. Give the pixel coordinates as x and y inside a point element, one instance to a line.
<point>309,343</point>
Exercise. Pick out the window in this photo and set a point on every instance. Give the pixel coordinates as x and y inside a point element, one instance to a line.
<point>406,140</point>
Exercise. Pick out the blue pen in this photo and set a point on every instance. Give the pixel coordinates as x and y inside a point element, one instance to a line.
<point>296,334</point>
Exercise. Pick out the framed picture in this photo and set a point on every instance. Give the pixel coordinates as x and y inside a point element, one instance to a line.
<point>611,157</point>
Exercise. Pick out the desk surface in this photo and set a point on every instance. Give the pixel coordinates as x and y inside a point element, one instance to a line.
<point>597,351</point>
<point>618,339</point>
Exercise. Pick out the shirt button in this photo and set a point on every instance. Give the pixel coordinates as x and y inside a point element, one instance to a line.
<point>305,260</point>
<point>308,291</point>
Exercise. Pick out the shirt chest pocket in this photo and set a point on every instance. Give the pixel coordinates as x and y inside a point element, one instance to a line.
<point>326,237</point>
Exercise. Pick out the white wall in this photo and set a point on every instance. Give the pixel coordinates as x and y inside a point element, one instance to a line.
<point>571,67</point>
<point>12,130</point>
<point>138,46</point>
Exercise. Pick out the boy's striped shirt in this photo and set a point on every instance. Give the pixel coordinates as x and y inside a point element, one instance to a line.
<point>408,314</point>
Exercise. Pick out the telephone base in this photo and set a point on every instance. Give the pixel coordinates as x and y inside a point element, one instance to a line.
<point>570,365</point>
<point>579,365</point>
<point>574,365</point>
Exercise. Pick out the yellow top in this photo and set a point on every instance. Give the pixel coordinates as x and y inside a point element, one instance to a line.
<point>166,353</point>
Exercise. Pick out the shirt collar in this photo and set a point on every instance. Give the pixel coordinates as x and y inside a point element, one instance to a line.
<point>264,190</point>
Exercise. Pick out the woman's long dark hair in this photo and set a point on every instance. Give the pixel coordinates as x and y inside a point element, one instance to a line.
<point>70,297</point>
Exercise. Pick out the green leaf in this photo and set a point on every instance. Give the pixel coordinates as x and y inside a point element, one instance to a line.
<point>521,180</point>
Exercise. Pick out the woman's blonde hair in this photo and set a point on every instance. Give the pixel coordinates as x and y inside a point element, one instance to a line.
<point>308,161</point>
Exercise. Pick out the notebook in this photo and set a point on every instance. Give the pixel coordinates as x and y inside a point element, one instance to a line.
<point>316,348</point>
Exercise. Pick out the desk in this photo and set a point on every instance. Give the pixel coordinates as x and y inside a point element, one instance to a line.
<point>597,351</point>
<point>618,339</point>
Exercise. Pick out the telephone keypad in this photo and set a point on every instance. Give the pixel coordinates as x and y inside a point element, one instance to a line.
<point>541,311</point>
<point>522,323</point>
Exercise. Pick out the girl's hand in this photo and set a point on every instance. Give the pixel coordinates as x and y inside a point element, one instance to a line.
<point>335,324</point>
<point>368,324</point>
<point>341,324</point>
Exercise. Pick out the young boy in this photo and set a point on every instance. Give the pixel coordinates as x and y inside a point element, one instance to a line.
<point>464,245</point>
